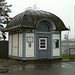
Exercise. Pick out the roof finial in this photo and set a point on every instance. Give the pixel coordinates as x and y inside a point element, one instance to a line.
<point>32,8</point>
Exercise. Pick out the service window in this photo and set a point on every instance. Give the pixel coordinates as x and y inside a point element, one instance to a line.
<point>43,43</point>
<point>56,43</point>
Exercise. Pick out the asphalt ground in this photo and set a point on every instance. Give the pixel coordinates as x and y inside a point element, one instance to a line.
<point>40,67</point>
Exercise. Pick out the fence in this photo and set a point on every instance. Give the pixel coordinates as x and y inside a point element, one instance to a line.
<point>69,53</point>
<point>3,49</point>
<point>68,48</point>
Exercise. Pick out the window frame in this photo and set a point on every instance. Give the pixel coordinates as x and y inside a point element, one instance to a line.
<point>40,43</point>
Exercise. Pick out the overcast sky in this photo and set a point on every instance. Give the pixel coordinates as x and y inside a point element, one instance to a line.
<point>62,8</point>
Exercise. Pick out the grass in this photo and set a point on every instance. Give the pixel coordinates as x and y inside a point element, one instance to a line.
<point>67,56</point>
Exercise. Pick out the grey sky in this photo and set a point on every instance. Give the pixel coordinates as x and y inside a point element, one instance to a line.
<point>62,8</point>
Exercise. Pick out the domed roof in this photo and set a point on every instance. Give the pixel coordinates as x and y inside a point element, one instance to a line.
<point>30,18</point>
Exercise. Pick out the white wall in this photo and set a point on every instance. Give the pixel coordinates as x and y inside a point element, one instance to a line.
<point>29,50</point>
<point>15,44</point>
<point>56,51</point>
<point>20,44</point>
<point>10,44</point>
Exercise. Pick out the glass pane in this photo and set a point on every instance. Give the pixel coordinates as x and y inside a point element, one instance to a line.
<point>42,40</point>
<point>43,27</point>
<point>42,46</point>
<point>29,39</point>
<point>42,43</point>
<point>56,43</point>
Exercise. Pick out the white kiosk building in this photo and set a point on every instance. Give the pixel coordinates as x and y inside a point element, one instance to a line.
<point>35,35</point>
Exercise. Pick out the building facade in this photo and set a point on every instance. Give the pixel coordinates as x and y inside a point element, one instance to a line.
<point>35,35</point>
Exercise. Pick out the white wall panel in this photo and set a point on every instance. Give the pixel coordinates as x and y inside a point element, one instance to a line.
<point>10,44</point>
<point>15,51</point>
<point>15,40</point>
<point>56,51</point>
<point>15,44</point>
<point>20,44</point>
<point>30,50</point>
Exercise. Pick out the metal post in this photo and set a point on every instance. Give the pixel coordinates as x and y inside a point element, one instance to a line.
<point>69,53</point>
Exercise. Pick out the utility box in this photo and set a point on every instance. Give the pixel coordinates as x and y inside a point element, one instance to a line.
<point>3,49</point>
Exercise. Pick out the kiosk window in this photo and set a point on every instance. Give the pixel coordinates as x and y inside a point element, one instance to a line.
<point>29,39</point>
<point>42,43</point>
<point>56,43</point>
